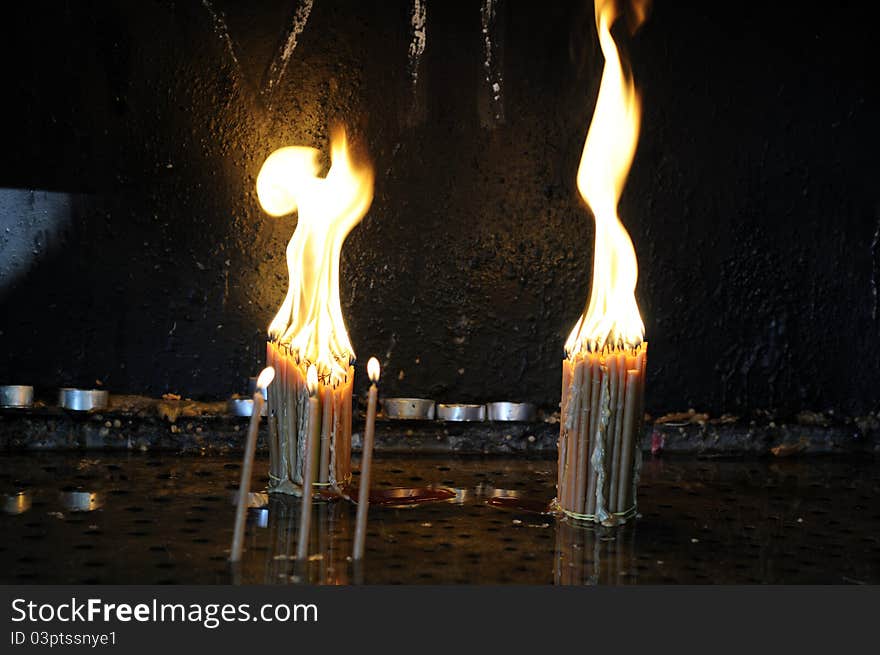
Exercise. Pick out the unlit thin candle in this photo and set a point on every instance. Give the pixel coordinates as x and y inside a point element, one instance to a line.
<point>326,421</point>
<point>271,413</point>
<point>618,435</point>
<point>630,420</point>
<point>314,433</point>
<point>582,434</point>
<point>360,531</point>
<point>247,466</point>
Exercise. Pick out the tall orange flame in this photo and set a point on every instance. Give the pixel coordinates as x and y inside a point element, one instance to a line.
<point>310,320</point>
<point>612,315</point>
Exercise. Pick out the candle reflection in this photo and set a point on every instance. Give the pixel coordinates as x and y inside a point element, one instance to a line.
<point>594,555</point>
<point>80,501</point>
<point>329,543</point>
<point>16,503</point>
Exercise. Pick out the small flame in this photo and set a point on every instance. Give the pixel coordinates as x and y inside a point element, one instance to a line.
<point>265,378</point>
<point>612,315</point>
<point>310,320</point>
<point>312,380</point>
<point>373,369</point>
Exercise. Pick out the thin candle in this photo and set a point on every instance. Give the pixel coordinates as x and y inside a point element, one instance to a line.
<point>360,531</point>
<point>314,434</point>
<point>326,429</point>
<point>244,487</point>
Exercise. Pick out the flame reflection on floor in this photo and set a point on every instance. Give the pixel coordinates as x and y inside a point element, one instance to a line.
<point>168,519</point>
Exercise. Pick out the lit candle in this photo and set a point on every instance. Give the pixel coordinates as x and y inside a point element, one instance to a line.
<point>309,327</point>
<point>244,487</point>
<point>360,531</point>
<point>604,372</point>
<point>314,434</point>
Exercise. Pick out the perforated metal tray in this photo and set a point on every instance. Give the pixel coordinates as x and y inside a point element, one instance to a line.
<point>144,519</point>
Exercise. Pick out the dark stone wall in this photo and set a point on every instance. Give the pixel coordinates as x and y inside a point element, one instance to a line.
<point>752,199</point>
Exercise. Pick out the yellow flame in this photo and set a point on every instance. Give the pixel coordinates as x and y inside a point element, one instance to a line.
<point>312,380</point>
<point>612,315</point>
<point>310,320</point>
<point>373,369</point>
<point>265,378</point>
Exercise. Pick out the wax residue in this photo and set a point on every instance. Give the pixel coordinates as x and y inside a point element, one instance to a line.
<point>222,32</point>
<point>279,64</point>
<point>492,75</point>
<point>417,43</point>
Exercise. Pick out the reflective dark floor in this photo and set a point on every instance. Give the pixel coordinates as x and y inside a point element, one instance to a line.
<point>107,518</point>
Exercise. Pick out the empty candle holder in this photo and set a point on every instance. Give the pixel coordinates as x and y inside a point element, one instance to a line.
<point>15,396</point>
<point>461,412</point>
<point>508,411</point>
<point>411,409</point>
<point>83,400</point>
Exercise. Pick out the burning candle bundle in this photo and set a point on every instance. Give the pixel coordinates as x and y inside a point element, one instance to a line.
<point>309,329</point>
<point>603,374</point>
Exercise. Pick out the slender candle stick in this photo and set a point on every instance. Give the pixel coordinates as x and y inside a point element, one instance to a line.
<point>572,446</point>
<point>595,389</point>
<point>618,435</point>
<point>314,433</point>
<point>272,410</point>
<point>631,437</point>
<point>583,435</point>
<point>608,436</point>
<point>327,406</point>
<point>360,530</point>
<point>247,466</point>
<point>604,416</point>
<point>568,390</point>
<point>294,382</point>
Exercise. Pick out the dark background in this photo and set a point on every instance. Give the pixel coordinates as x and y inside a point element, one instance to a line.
<point>752,200</point>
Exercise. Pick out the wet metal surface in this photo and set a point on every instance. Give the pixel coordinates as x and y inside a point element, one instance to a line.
<point>124,518</point>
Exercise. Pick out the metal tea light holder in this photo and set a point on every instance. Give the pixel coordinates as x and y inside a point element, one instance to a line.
<point>83,400</point>
<point>461,412</point>
<point>16,396</point>
<point>409,409</point>
<point>510,412</point>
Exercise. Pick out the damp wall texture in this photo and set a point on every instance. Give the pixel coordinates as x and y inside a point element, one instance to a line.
<point>752,199</point>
